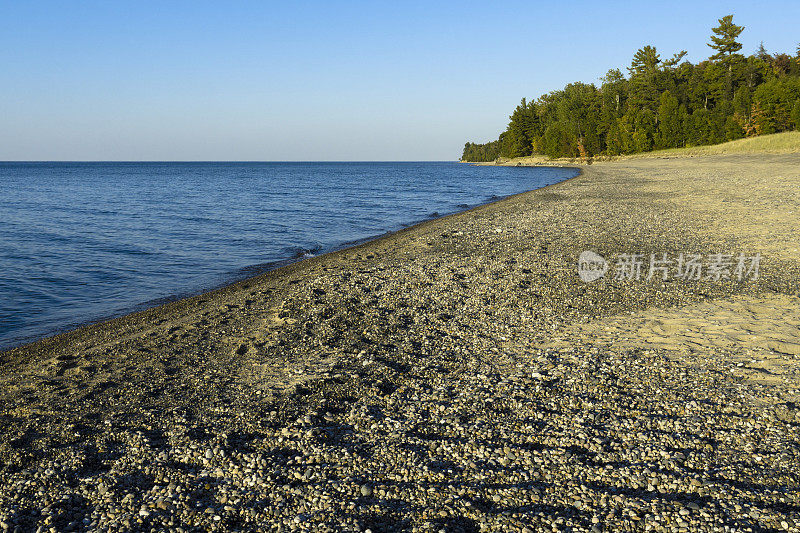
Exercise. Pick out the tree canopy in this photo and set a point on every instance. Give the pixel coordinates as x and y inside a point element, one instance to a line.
<point>660,104</point>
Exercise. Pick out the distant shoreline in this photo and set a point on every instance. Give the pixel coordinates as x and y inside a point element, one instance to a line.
<point>777,143</point>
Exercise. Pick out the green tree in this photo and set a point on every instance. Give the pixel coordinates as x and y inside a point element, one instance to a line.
<point>556,142</point>
<point>517,142</point>
<point>644,78</point>
<point>700,131</point>
<point>733,129</point>
<point>612,98</point>
<point>644,130</point>
<point>669,126</point>
<point>675,59</point>
<point>741,103</point>
<point>762,53</point>
<point>716,83</point>
<point>645,61</point>
<point>796,115</point>
<point>776,98</point>
<point>724,38</point>
<point>614,91</point>
<point>577,112</point>
<point>753,72</point>
<point>614,142</point>
<point>724,42</point>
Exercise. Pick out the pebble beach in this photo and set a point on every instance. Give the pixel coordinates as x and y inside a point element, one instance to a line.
<point>455,376</point>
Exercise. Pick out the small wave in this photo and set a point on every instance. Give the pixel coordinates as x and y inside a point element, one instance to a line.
<point>298,252</point>
<point>293,253</point>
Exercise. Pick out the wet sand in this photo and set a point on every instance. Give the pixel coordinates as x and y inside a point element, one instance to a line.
<point>455,376</point>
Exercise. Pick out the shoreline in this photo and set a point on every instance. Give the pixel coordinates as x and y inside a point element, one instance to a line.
<point>456,375</point>
<point>234,277</point>
<point>145,307</point>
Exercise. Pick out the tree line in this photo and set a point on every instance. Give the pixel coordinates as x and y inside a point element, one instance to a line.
<point>662,103</point>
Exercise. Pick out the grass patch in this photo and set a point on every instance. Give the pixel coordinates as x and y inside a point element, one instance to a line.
<point>777,143</point>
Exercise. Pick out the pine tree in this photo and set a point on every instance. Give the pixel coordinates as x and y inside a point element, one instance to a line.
<point>644,82</point>
<point>724,42</point>
<point>675,59</point>
<point>517,142</point>
<point>762,53</point>
<point>645,61</point>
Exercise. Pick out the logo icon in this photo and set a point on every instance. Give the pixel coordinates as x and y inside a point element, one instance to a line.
<point>591,266</point>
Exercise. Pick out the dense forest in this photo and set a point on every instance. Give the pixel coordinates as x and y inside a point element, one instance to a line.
<point>662,103</point>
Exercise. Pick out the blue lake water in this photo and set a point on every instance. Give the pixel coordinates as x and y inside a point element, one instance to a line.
<point>80,242</point>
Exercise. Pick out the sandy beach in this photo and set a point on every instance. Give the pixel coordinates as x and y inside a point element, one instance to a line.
<point>455,376</point>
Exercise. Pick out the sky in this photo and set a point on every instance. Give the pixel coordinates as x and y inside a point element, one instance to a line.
<point>319,81</point>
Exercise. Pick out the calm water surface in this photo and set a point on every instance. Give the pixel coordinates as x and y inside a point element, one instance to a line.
<point>80,242</point>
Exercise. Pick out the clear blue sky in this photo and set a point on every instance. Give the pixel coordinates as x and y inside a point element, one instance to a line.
<point>138,80</point>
